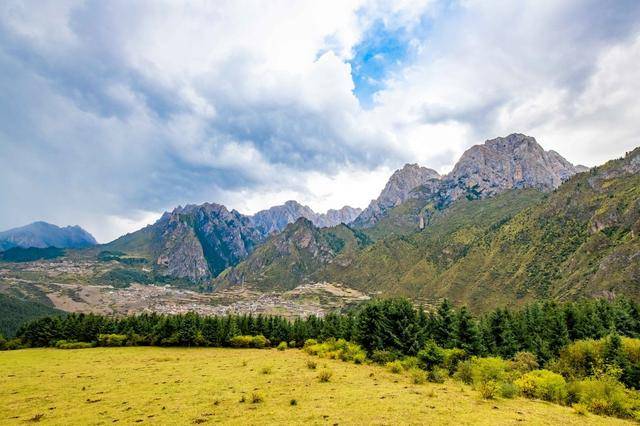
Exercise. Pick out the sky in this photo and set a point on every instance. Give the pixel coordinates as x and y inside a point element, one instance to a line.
<point>112,112</point>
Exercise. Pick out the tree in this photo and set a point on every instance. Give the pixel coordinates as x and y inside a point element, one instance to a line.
<point>445,325</point>
<point>468,336</point>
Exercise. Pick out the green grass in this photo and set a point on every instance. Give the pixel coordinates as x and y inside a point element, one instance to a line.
<point>183,386</point>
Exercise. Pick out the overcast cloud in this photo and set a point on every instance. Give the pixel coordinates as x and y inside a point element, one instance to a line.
<point>114,111</point>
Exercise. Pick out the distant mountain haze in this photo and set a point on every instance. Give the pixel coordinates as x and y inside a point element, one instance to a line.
<point>43,234</point>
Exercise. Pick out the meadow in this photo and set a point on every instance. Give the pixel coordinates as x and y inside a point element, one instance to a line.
<point>241,386</point>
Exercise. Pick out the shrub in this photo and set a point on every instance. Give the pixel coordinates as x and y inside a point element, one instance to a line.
<point>310,342</point>
<point>256,398</point>
<point>410,363</point>
<point>324,376</point>
<point>112,340</point>
<point>395,367</point>
<point>249,342</point>
<point>452,357</point>
<point>64,344</point>
<point>336,349</point>
<point>282,346</point>
<point>580,409</point>
<point>292,344</point>
<point>508,390</point>
<point>311,364</point>
<point>489,389</point>
<point>464,373</point>
<point>602,396</point>
<point>259,341</point>
<point>265,370</point>
<point>241,341</point>
<point>489,369</point>
<point>418,376</point>
<point>3,342</point>
<point>437,375</point>
<point>432,355</point>
<point>383,357</point>
<point>525,362</point>
<point>543,384</point>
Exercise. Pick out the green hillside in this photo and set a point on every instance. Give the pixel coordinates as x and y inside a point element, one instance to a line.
<point>14,312</point>
<point>580,240</point>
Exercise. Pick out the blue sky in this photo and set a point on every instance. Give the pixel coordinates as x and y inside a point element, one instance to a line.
<point>112,112</point>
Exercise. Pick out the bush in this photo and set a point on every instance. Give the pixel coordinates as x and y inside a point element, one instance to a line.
<point>324,376</point>
<point>431,356</point>
<point>508,390</point>
<point>395,367</point>
<point>292,344</point>
<point>464,373</point>
<point>258,342</point>
<point>489,389</point>
<point>418,376</point>
<point>265,370</point>
<point>13,344</point>
<point>3,342</point>
<point>602,396</point>
<point>525,362</point>
<point>452,357</point>
<point>310,342</point>
<point>383,357</point>
<point>64,344</point>
<point>410,363</point>
<point>282,346</point>
<point>489,369</point>
<point>336,349</point>
<point>257,397</point>
<point>543,384</point>
<point>311,364</point>
<point>112,340</point>
<point>437,375</point>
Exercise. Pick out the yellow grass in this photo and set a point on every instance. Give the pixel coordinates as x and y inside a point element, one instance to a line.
<point>185,386</point>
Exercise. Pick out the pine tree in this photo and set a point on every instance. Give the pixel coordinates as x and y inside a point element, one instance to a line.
<point>468,336</point>
<point>445,325</point>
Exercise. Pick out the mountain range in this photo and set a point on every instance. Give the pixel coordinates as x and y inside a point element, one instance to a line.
<point>510,223</point>
<point>42,235</point>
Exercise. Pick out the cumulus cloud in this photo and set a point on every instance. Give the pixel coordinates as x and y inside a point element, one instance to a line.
<point>115,111</point>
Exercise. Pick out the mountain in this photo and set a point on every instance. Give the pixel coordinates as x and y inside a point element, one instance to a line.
<point>42,235</point>
<point>500,247</point>
<point>498,165</point>
<point>197,242</point>
<point>396,191</point>
<point>275,219</point>
<point>516,161</point>
<point>15,311</point>
<point>193,242</point>
<point>295,256</point>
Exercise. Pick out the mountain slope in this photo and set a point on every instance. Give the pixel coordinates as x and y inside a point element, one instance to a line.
<point>395,192</point>
<point>15,311</point>
<point>42,235</point>
<point>498,165</point>
<point>295,256</point>
<point>580,240</point>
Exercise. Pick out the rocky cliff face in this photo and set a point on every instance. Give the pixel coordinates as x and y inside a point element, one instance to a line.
<point>275,219</point>
<point>396,191</point>
<point>516,161</point>
<point>198,242</point>
<point>42,234</point>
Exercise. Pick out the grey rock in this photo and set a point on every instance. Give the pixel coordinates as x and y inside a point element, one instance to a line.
<point>275,219</point>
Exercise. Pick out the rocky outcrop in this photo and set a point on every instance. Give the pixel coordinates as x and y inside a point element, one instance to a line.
<point>43,234</point>
<point>516,161</point>
<point>396,191</point>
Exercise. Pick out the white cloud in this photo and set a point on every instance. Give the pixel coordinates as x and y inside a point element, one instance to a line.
<point>118,110</point>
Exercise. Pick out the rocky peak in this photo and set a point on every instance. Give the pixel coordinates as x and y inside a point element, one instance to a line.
<point>42,234</point>
<point>396,191</point>
<point>276,218</point>
<point>515,161</point>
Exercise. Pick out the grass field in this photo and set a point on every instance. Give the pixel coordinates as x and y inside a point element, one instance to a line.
<point>191,386</point>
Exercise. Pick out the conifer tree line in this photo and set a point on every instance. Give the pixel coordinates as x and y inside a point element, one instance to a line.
<point>392,325</point>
